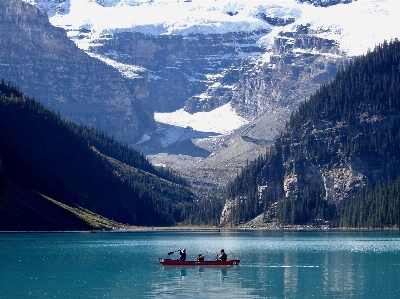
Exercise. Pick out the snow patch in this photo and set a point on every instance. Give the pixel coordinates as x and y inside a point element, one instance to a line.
<point>222,120</point>
<point>144,138</point>
<point>127,70</point>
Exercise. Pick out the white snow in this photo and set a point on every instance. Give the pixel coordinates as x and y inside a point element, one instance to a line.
<point>357,26</point>
<point>173,134</point>
<point>126,70</point>
<point>181,125</point>
<point>144,138</point>
<point>222,120</point>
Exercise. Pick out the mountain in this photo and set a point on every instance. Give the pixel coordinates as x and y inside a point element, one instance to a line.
<point>260,58</point>
<point>57,175</point>
<point>338,159</point>
<point>47,65</point>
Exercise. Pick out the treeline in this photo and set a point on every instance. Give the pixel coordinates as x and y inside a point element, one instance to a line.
<point>370,84</point>
<point>204,211</point>
<point>243,189</point>
<point>309,206</point>
<point>356,116</point>
<point>378,207</point>
<point>83,166</point>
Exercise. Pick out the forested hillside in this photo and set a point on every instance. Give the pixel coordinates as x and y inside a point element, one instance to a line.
<point>339,156</point>
<point>45,160</point>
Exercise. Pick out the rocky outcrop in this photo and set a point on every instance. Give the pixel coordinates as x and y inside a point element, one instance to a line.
<point>276,20</point>
<point>45,64</point>
<point>339,175</point>
<point>299,63</point>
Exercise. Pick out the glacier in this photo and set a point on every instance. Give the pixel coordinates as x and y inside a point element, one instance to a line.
<point>357,26</point>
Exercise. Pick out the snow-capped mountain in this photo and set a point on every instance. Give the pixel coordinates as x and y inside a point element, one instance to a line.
<point>355,25</point>
<point>197,51</point>
<point>253,59</point>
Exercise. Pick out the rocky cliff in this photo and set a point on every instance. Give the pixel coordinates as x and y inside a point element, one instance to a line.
<point>42,61</point>
<point>299,61</point>
<point>202,72</point>
<point>192,71</point>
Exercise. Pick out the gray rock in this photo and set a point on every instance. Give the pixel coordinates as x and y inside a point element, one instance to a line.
<point>46,65</point>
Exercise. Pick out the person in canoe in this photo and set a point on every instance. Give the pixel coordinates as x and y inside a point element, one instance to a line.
<point>200,258</point>
<point>182,254</point>
<point>223,256</point>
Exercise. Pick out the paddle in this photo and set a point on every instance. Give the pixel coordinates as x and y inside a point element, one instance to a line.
<point>172,252</point>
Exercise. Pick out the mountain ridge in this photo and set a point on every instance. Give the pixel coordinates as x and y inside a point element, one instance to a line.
<point>41,60</point>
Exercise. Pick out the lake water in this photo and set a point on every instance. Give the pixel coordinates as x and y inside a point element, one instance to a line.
<point>274,264</point>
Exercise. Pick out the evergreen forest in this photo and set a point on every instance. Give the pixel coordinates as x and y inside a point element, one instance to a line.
<point>350,125</point>
<point>45,159</point>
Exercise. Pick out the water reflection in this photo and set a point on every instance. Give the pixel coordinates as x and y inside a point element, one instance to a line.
<point>290,275</point>
<point>322,265</point>
<point>183,272</point>
<point>310,273</point>
<point>200,282</point>
<point>343,274</point>
<point>223,274</point>
<point>273,265</point>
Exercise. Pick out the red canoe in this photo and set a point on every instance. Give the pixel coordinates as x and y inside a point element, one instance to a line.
<point>196,263</point>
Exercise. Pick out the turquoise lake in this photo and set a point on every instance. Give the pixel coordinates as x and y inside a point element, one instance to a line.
<point>274,264</point>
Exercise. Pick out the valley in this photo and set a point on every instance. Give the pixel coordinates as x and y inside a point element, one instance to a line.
<point>199,87</point>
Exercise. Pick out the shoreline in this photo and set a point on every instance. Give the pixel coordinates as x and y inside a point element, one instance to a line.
<point>139,229</point>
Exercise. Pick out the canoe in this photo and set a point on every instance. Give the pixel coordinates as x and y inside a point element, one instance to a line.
<point>196,263</point>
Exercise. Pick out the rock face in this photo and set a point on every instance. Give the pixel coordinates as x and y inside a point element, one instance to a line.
<point>340,175</point>
<point>192,71</point>
<point>45,64</point>
<point>299,62</point>
<point>202,72</point>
